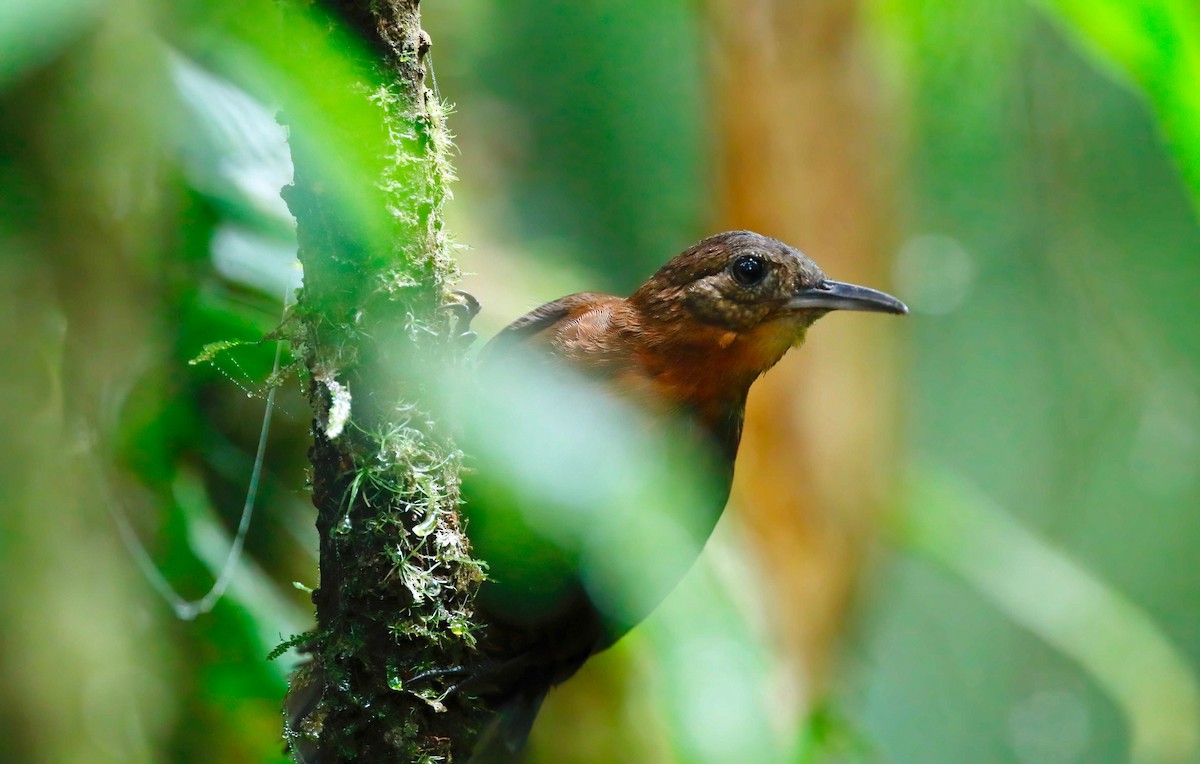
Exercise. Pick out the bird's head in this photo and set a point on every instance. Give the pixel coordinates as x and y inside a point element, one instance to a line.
<point>740,281</point>
<point>724,311</point>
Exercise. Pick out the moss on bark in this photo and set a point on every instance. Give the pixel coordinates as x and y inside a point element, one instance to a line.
<point>397,580</point>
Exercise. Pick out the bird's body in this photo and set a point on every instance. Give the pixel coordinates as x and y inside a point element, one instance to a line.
<point>680,354</point>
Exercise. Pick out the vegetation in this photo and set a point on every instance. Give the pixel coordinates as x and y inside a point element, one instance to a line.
<point>969,538</point>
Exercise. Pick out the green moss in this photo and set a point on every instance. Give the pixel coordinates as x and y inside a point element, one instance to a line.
<point>398,580</point>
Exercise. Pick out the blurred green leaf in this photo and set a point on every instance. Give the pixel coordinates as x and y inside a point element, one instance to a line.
<point>1156,45</point>
<point>261,610</point>
<point>1039,587</point>
<point>32,31</point>
<point>569,488</point>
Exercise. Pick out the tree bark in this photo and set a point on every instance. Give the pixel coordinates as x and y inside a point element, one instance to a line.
<point>397,581</point>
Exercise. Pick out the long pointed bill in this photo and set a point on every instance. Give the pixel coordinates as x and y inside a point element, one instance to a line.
<point>836,295</point>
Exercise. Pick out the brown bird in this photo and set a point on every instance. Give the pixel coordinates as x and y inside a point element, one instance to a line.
<point>674,361</point>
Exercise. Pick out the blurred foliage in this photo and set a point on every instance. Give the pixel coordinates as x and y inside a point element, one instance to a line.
<point>586,122</point>
<point>1156,44</point>
<point>1047,248</point>
<point>1050,263</point>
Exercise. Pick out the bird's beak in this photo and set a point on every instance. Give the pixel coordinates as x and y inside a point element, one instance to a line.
<point>835,295</point>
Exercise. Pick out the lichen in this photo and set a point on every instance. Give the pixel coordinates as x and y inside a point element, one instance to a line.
<point>397,578</point>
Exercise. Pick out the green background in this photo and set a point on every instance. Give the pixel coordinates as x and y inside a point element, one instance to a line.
<point>1035,595</point>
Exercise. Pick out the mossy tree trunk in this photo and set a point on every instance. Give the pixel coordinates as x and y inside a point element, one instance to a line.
<point>396,579</point>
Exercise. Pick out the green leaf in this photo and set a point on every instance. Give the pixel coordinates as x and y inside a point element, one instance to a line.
<point>32,31</point>
<point>1155,45</point>
<point>1040,587</point>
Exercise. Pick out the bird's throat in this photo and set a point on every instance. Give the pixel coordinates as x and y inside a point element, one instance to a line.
<point>711,370</point>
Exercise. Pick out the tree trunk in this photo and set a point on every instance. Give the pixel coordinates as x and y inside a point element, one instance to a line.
<point>803,161</point>
<point>397,582</point>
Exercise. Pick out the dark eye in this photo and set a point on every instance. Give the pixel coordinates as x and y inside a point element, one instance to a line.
<point>748,270</point>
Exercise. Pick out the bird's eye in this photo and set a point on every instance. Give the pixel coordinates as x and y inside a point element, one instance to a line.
<point>748,270</point>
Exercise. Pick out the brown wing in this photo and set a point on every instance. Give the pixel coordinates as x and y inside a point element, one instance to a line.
<point>541,322</point>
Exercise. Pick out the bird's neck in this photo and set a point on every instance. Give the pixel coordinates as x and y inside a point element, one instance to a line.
<point>703,370</point>
<point>700,362</point>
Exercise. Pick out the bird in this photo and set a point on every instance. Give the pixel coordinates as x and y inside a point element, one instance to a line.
<point>674,360</point>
